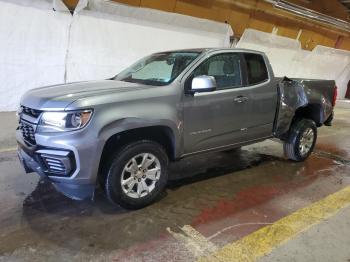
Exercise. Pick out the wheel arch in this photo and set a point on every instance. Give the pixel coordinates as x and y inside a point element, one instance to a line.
<point>310,111</point>
<point>162,134</point>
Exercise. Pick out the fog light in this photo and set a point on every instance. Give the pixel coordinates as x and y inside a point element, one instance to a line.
<point>57,163</point>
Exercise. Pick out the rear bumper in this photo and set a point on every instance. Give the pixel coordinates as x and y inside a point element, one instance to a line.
<point>329,120</point>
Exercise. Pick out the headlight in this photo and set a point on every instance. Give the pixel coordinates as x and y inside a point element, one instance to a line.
<point>63,121</point>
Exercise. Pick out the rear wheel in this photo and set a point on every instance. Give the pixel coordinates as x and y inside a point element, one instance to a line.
<point>137,175</point>
<point>301,141</point>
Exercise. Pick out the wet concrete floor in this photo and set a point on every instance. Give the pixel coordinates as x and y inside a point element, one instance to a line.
<point>224,196</point>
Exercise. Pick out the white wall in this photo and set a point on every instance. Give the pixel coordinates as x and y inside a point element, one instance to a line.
<point>32,49</point>
<point>40,47</point>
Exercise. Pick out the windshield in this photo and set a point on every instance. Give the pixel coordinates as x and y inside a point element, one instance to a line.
<point>157,69</point>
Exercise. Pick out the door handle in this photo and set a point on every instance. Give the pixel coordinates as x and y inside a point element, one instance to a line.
<point>240,99</point>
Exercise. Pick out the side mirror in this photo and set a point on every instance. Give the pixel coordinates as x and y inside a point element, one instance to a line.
<point>203,84</point>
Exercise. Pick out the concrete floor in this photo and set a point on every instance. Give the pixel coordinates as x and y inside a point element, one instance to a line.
<point>328,241</point>
<point>7,134</point>
<point>223,196</point>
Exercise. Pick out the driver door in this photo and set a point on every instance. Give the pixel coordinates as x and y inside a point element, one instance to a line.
<point>215,119</point>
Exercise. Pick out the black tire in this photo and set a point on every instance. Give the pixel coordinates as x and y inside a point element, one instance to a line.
<point>292,146</point>
<point>113,184</point>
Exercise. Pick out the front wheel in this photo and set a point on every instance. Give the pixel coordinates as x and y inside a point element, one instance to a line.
<point>301,140</point>
<point>137,174</point>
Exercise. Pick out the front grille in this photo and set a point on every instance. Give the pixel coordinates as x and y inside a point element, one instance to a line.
<point>28,118</point>
<point>27,133</point>
<point>30,111</point>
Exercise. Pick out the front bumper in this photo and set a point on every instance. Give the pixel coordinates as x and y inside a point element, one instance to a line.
<point>69,152</point>
<point>74,191</point>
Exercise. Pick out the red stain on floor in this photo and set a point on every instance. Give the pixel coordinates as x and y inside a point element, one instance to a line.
<point>259,194</point>
<point>245,199</point>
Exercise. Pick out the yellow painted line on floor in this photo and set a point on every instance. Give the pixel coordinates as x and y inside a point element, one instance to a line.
<point>264,240</point>
<point>3,150</point>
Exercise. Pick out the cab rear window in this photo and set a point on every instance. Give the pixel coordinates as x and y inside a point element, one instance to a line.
<point>256,69</point>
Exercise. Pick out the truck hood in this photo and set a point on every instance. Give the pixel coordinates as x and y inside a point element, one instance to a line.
<point>58,97</point>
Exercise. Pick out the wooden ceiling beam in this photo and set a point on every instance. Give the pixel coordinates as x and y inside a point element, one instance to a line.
<point>71,4</point>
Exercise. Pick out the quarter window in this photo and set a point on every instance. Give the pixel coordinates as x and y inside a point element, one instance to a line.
<point>256,69</point>
<point>225,68</point>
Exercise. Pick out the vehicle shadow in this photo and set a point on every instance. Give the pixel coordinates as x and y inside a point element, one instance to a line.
<point>191,170</point>
<point>206,166</point>
<point>76,224</point>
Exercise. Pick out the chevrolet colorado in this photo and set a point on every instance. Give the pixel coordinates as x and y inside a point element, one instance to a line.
<point>121,133</point>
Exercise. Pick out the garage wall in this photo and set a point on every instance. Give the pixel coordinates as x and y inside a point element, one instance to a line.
<point>33,44</point>
<point>40,47</point>
<point>262,16</point>
<point>307,48</point>
<point>113,36</point>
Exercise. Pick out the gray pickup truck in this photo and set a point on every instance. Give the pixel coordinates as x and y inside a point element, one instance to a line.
<point>121,133</point>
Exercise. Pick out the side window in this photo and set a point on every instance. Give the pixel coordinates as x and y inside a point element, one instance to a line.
<point>225,68</point>
<point>256,69</point>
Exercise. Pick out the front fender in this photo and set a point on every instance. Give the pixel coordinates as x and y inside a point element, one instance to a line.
<point>132,123</point>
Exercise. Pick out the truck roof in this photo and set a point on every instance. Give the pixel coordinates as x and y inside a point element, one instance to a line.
<point>208,50</point>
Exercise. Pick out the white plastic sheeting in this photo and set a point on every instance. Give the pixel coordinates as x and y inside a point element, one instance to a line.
<point>40,47</point>
<point>123,38</point>
<point>32,49</point>
<point>326,63</point>
<point>288,59</point>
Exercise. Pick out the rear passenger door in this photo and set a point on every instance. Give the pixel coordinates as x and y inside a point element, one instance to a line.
<point>261,93</point>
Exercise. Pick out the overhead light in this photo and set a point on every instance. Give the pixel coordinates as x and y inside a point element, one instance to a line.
<point>311,14</point>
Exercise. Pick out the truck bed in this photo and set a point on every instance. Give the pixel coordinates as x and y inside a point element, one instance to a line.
<point>310,96</point>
